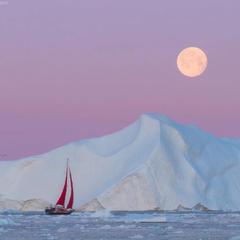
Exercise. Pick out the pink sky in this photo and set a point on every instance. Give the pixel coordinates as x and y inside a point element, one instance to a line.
<point>77,69</point>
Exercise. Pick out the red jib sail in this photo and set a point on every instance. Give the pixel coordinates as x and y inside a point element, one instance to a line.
<point>61,200</point>
<point>70,203</point>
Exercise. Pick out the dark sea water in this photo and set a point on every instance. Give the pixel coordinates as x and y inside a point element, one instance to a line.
<point>121,225</point>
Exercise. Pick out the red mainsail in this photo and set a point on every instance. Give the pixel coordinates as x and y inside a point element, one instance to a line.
<point>61,200</point>
<point>70,203</point>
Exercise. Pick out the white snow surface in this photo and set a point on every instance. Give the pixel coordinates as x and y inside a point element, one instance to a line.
<point>155,163</point>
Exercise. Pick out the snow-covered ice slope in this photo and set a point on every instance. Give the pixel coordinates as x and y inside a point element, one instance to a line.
<point>153,163</point>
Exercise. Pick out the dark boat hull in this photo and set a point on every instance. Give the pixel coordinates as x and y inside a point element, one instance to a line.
<point>58,211</point>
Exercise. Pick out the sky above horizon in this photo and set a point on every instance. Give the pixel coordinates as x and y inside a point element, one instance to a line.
<point>72,69</point>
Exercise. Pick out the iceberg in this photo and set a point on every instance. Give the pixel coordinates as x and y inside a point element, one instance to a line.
<point>154,163</point>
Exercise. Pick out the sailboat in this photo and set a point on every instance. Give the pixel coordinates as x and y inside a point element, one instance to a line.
<point>59,207</point>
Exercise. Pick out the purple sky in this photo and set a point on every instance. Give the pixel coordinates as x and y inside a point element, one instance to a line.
<point>71,69</point>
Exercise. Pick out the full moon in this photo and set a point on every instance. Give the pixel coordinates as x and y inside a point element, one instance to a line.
<point>192,62</point>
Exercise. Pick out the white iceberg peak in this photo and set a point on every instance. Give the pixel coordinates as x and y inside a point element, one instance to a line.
<point>154,163</point>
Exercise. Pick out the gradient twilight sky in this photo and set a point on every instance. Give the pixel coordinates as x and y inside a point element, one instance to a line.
<point>71,69</point>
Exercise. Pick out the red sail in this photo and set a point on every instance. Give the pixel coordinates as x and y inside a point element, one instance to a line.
<point>61,200</point>
<point>70,203</point>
